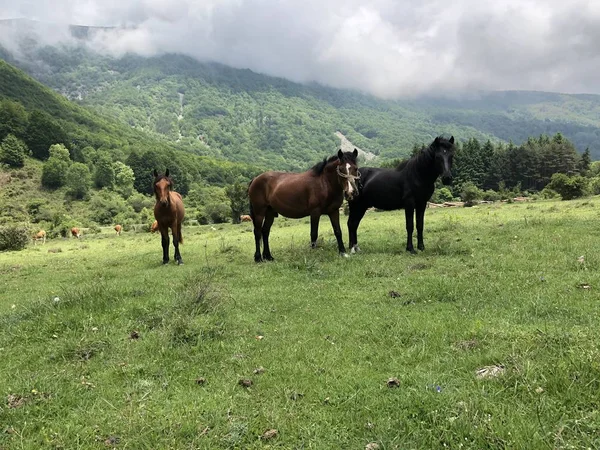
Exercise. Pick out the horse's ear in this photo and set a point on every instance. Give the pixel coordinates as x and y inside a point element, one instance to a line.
<point>436,140</point>
<point>167,173</point>
<point>340,154</point>
<point>452,139</point>
<point>355,153</point>
<point>155,173</point>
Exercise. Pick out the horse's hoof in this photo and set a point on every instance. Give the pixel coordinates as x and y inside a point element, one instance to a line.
<point>412,251</point>
<point>345,255</point>
<point>313,245</point>
<point>258,259</point>
<point>355,249</point>
<point>180,262</point>
<point>268,258</point>
<point>165,261</point>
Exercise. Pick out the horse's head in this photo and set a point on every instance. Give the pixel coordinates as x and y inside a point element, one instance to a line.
<point>347,172</point>
<point>162,187</point>
<point>443,150</point>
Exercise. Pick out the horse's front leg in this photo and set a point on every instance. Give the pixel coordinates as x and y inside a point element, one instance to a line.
<point>357,212</point>
<point>165,244</point>
<point>420,220</point>
<point>176,236</point>
<point>314,229</point>
<point>334,217</point>
<point>410,225</point>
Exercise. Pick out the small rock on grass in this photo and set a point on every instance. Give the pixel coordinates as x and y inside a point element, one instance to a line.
<point>269,434</point>
<point>393,382</point>
<point>245,382</point>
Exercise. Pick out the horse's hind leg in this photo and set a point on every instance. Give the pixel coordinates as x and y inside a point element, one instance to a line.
<point>357,212</point>
<point>266,230</point>
<point>176,230</point>
<point>257,220</point>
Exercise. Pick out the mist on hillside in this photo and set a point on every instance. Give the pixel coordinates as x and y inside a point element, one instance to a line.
<point>387,48</point>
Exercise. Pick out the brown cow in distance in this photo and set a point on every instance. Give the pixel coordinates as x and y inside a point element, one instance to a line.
<point>118,229</point>
<point>39,236</point>
<point>75,232</point>
<point>245,218</point>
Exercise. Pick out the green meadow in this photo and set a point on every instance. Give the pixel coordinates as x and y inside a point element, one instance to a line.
<point>487,339</point>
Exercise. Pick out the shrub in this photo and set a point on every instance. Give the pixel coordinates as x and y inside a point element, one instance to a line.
<point>595,185</point>
<point>568,187</point>
<point>202,217</point>
<point>13,237</point>
<point>218,212</point>
<point>470,193</point>
<point>441,195</point>
<point>491,196</point>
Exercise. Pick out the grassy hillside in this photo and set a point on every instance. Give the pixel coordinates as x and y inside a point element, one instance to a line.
<point>115,349</point>
<point>249,117</point>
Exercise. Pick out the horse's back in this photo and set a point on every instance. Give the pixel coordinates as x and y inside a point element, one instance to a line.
<point>288,194</point>
<point>380,188</point>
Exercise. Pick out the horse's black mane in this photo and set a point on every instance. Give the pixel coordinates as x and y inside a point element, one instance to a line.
<point>320,166</point>
<point>423,154</point>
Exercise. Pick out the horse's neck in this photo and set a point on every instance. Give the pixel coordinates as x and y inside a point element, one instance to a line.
<point>424,167</point>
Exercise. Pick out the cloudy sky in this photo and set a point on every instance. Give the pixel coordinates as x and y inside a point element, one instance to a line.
<point>390,48</point>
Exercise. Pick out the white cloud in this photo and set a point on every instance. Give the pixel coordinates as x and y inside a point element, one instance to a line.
<point>386,47</point>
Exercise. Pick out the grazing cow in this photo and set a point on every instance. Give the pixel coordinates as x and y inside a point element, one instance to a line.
<point>75,232</point>
<point>245,218</point>
<point>39,236</point>
<point>118,229</point>
<point>154,227</point>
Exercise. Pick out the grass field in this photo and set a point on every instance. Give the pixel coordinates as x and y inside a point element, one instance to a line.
<point>102,346</point>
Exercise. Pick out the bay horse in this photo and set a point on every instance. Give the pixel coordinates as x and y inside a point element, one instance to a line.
<point>75,232</point>
<point>409,186</point>
<point>39,236</point>
<point>320,190</point>
<point>245,218</point>
<point>154,226</point>
<point>118,229</point>
<point>169,213</point>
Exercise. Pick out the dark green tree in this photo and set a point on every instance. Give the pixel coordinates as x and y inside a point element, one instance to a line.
<point>54,172</point>
<point>585,161</point>
<point>13,119</point>
<point>78,180</point>
<point>238,199</point>
<point>42,131</point>
<point>104,174</point>
<point>13,151</point>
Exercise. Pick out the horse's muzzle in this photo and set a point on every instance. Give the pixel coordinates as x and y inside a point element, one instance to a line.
<point>447,181</point>
<point>164,203</point>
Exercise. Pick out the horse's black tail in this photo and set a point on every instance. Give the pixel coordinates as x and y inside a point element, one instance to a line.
<point>249,202</point>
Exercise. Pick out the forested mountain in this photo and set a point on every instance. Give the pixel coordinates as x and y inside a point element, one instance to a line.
<point>243,116</point>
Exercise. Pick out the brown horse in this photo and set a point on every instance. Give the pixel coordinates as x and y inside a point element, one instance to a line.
<point>169,213</point>
<point>245,218</point>
<point>118,229</point>
<point>320,190</point>
<point>154,226</point>
<point>75,232</point>
<point>39,236</point>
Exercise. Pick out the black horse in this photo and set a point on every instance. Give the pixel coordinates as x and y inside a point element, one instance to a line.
<point>409,186</point>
